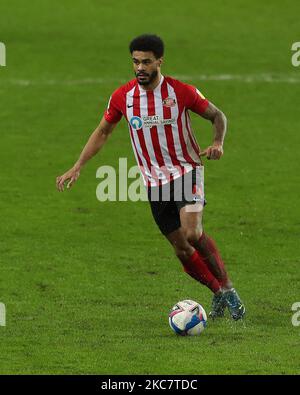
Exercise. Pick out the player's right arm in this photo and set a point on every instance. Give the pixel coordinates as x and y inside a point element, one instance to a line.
<point>96,141</point>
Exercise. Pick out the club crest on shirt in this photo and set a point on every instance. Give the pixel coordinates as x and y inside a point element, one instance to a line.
<point>169,102</point>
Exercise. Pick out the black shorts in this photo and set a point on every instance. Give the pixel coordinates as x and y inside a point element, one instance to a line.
<point>167,200</point>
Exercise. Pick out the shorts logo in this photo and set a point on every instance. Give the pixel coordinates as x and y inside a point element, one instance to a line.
<point>136,122</point>
<point>198,194</point>
<point>197,199</point>
<point>169,102</point>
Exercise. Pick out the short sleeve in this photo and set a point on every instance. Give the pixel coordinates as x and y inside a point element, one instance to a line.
<point>194,99</point>
<point>113,113</point>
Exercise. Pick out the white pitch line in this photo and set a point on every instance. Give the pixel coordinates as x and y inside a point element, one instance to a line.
<point>243,78</point>
<point>251,78</point>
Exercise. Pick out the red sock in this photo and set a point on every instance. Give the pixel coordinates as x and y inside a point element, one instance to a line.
<point>196,268</point>
<point>209,252</point>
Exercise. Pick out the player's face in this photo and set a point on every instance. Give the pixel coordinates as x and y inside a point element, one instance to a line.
<point>146,66</point>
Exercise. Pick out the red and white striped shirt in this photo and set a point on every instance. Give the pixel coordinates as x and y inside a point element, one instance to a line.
<point>159,124</point>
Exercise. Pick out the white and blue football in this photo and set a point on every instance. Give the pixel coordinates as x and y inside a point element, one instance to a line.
<point>188,318</point>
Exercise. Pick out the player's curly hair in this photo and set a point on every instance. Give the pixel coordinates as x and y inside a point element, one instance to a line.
<point>148,42</point>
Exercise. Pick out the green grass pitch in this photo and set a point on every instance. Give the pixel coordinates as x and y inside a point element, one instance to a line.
<point>88,285</point>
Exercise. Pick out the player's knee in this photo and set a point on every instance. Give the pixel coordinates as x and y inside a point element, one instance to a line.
<point>184,252</point>
<point>193,235</point>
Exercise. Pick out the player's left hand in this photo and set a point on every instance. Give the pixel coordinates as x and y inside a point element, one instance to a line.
<point>214,151</point>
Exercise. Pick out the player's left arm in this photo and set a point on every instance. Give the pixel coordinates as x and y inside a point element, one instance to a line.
<point>219,122</point>
<point>195,101</point>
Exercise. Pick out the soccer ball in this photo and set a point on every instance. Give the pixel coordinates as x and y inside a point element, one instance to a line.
<point>188,318</point>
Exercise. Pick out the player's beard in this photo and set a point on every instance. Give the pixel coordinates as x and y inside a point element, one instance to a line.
<point>149,80</point>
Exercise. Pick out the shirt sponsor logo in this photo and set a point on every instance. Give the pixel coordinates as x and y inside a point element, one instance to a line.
<point>168,121</point>
<point>155,120</point>
<point>136,122</point>
<point>151,120</point>
<point>148,121</point>
<point>169,102</point>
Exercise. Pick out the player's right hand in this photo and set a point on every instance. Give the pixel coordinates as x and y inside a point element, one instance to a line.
<point>69,177</point>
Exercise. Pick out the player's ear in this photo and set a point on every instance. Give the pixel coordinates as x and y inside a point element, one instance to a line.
<point>161,60</point>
